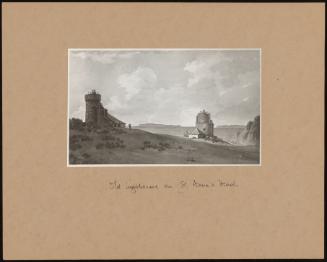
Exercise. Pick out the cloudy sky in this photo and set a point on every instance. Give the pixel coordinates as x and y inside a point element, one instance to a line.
<point>168,86</point>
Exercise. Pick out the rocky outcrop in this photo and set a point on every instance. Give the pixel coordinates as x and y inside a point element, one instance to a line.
<point>250,135</point>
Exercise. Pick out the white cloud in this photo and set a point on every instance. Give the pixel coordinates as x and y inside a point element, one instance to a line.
<point>103,57</point>
<point>188,116</point>
<point>79,113</point>
<point>106,58</point>
<point>202,68</point>
<point>128,54</point>
<point>246,78</point>
<point>194,66</point>
<point>115,103</point>
<point>199,70</point>
<point>223,92</point>
<point>245,99</point>
<point>133,83</point>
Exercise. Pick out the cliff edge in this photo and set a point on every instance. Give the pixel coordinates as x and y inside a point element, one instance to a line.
<point>250,135</point>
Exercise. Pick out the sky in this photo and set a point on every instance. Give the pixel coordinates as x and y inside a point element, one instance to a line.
<point>168,86</point>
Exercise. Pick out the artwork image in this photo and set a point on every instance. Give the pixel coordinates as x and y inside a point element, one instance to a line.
<point>164,107</point>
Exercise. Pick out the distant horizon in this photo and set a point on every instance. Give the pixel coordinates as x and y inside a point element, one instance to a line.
<point>188,125</point>
<point>152,123</point>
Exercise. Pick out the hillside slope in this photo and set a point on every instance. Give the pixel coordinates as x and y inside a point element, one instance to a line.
<point>227,133</point>
<point>133,146</point>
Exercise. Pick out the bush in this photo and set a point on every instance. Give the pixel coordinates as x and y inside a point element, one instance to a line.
<point>74,147</point>
<point>190,159</point>
<point>76,124</point>
<point>73,139</point>
<point>86,155</point>
<point>102,131</point>
<point>110,145</point>
<point>99,146</point>
<point>72,159</point>
<point>163,146</point>
<point>86,138</point>
<point>108,137</point>
<point>119,130</point>
<point>76,138</point>
<point>160,146</point>
<point>115,144</point>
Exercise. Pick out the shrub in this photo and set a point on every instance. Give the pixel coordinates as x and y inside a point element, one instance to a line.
<point>103,131</point>
<point>119,130</point>
<point>86,138</point>
<point>110,145</point>
<point>75,160</point>
<point>108,137</point>
<point>73,139</point>
<point>99,146</point>
<point>74,146</point>
<point>190,159</point>
<point>160,146</point>
<point>114,145</point>
<point>76,124</point>
<point>86,155</point>
<point>72,159</point>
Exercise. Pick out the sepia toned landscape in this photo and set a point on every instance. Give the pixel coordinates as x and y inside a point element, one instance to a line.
<point>113,128</point>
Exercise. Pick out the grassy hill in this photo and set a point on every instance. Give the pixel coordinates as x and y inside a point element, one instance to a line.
<point>134,146</point>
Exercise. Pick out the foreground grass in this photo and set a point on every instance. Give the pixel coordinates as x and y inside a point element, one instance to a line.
<point>125,146</point>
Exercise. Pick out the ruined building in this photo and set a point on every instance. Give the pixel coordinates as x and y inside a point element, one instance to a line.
<point>203,126</point>
<point>96,114</point>
<point>204,123</point>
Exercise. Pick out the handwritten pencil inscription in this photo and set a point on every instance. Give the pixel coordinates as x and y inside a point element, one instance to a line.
<point>179,185</point>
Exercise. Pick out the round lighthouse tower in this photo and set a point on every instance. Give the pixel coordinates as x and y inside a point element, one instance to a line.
<point>92,101</point>
<point>204,123</point>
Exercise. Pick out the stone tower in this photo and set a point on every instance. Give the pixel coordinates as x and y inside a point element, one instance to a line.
<point>92,101</point>
<point>204,123</point>
<point>96,115</point>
